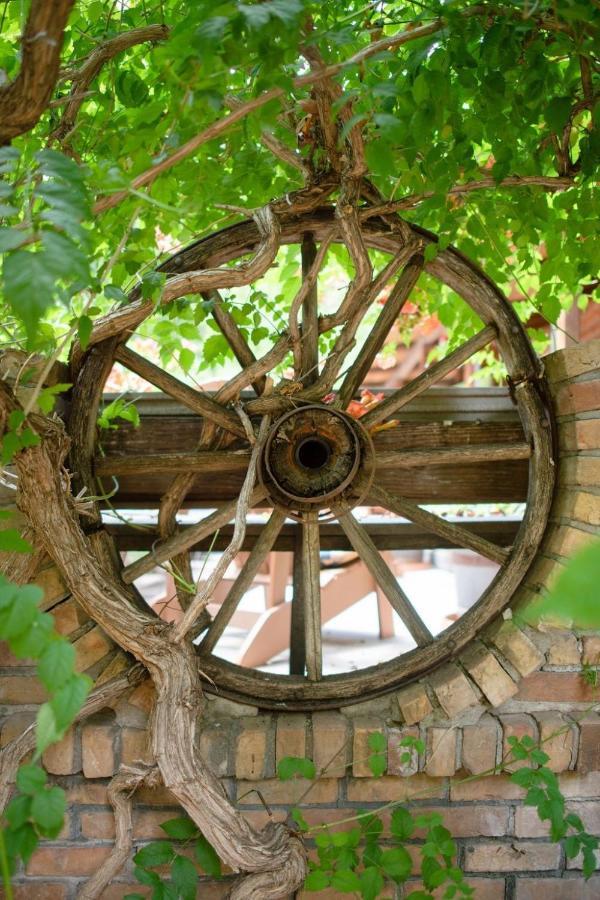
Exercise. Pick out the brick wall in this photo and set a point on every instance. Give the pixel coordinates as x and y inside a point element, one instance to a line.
<point>511,681</point>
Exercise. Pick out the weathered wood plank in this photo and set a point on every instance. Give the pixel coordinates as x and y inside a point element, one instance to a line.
<point>445,456</point>
<point>233,335</point>
<point>311,595</point>
<point>385,535</point>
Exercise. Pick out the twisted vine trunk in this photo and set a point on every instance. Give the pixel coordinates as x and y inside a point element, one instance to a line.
<point>273,859</point>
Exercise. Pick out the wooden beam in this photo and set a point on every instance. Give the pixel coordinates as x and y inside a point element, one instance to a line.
<point>390,535</point>
<point>445,456</point>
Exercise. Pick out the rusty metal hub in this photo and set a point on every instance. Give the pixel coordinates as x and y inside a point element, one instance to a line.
<point>315,455</point>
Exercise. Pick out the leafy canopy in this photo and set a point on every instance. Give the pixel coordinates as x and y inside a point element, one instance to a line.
<point>485,94</point>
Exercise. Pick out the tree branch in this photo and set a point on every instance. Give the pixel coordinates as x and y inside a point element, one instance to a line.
<point>221,125</point>
<point>204,593</point>
<point>548,182</point>
<point>273,851</point>
<point>120,793</point>
<point>82,78</point>
<point>23,101</point>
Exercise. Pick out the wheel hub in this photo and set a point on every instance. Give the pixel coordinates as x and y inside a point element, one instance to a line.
<point>314,455</point>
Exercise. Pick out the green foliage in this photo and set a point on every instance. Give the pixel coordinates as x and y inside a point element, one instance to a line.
<point>574,596</point>
<point>543,793</point>
<point>486,96</point>
<point>291,766</point>
<point>377,761</point>
<point>37,809</point>
<point>118,409</point>
<point>183,873</point>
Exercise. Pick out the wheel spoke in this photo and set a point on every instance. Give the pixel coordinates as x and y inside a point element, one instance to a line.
<point>311,596</point>
<point>429,377</point>
<point>380,331</point>
<point>445,456</point>
<point>364,546</point>
<point>309,347</point>
<point>199,403</point>
<point>242,583</point>
<point>183,540</point>
<point>352,319</point>
<point>297,632</point>
<point>232,333</point>
<point>457,535</point>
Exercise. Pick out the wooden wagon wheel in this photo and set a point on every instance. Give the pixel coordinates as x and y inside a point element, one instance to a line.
<point>311,457</point>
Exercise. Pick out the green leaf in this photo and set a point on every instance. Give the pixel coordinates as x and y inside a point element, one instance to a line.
<point>396,863</point>
<point>47,731</point>
<point>12,542</point>
<point>31,779</point>
<point>84,330</point>
<point>572,846</point>
<point>574,596</point>
<point>69,699</point>
<point>557,112</point>
<point>377,741</point>
<point>316,880</point>
<point>589,862</point>
<point>345,881</point>
<point>151,285</point>
<point>187,358</point>
<point>28,286</point>
<point>185,877</point>
<point>211,31</point>
<point>371,883</point>
<point>158,853</point>
<point>180,829</point>
<point>33,641</point>
<point>52,162</point>
<point>130,88</point>
<point>11,238</point>
<point>18,811</point>
<point>377,764</point>
<point>299,819</point>
<point>112,292</point>
<point>402,824</point>
<point>290,766</point>
<point>420,89</point>
<point>21,842</point>
<point>207,858</point>
<point>433,873</point>
<point>56,664</point>
<point>17,618</point>
<point>48,810</point>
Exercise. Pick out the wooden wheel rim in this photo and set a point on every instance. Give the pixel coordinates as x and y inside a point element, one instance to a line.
<point>478,291</point>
